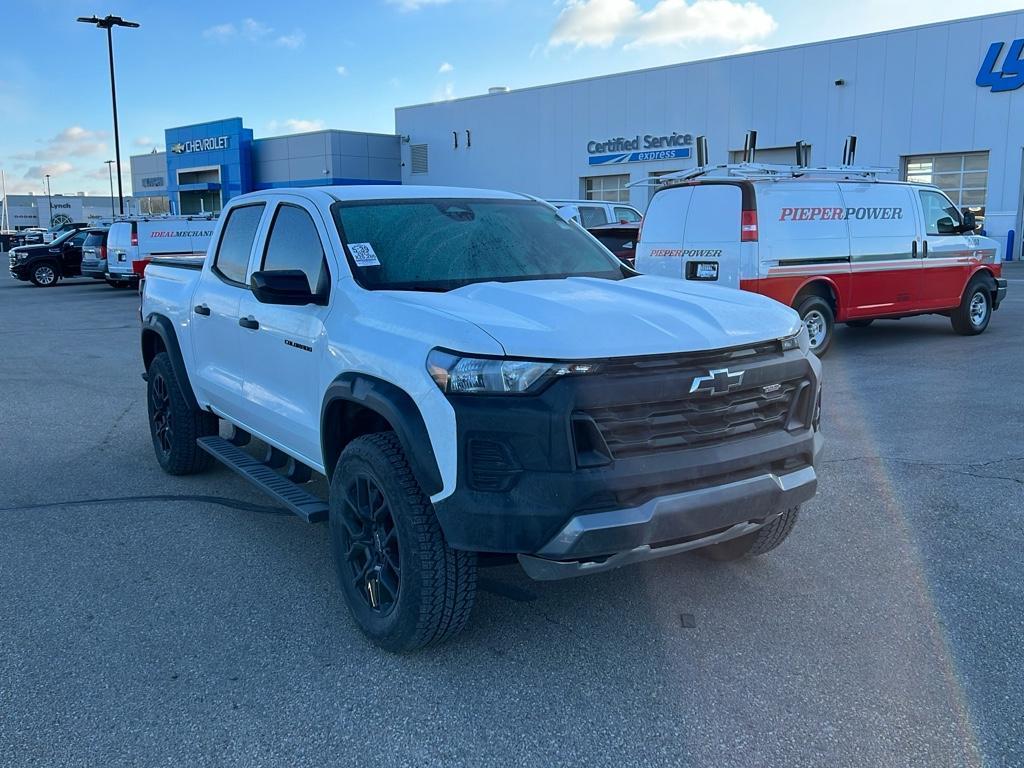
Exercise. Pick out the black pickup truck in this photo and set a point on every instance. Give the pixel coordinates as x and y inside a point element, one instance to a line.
<point>45,264</point>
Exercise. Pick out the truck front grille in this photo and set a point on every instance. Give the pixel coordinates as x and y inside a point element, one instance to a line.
<point>644,428</point>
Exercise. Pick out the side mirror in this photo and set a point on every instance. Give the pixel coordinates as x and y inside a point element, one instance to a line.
<point>970,222</point>
<point>283,286</point>
<point>945,226</point>
<point>569,213</point>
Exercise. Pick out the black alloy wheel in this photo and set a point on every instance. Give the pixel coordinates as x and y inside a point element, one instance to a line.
<point>370,545</point>
<point>161,413</point>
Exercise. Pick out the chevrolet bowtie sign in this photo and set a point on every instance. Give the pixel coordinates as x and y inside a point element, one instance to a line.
<point>200,145</point>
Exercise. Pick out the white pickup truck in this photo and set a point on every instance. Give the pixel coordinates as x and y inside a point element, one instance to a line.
<point>477,378</point>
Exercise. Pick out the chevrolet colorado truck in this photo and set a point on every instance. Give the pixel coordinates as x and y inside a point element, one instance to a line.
<point>477,378</point>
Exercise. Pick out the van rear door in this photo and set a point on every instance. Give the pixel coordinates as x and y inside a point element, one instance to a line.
<point>711,240</point>
<point>660,250</point>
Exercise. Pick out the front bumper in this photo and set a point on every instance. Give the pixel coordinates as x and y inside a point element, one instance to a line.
<point>530,481</point>
<point>1000,293</point>
<point>18,271</point>
<point>668,525</point>
<point>94,268</point>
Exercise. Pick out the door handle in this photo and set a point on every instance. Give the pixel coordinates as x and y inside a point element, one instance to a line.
<point>924,244</point>
<point>249,322</point>
<point>913,250</point>
<point>202,309</point>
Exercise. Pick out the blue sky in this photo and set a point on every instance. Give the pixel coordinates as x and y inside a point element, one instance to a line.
<point>288,67</point>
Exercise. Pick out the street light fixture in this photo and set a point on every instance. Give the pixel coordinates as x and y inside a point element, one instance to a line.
<point>108,23</point>
<point>110,173</point>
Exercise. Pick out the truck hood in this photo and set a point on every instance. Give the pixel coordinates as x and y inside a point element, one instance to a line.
<point>583,318</point>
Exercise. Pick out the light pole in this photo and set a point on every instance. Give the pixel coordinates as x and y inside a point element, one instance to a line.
<point>108,23</point>
<point>110,173</point>
<point>49,205</point>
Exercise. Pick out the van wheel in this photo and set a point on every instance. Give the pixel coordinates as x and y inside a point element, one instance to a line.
<point>404,586</point>
<point>817,315</point>
<point>44,275</point>
<point>859,323</point>
<point>975,310</point>
<point>173,425</point>
<point>757,543</point>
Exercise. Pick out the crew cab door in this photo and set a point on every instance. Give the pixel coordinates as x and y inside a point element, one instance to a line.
<point>282,345</point>
<point>72,254</point>
<point>946,255</point>
<point>213,315</point>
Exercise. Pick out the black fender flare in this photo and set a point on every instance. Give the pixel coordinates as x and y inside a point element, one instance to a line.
<point>401,412</point>
<point>164,329</point>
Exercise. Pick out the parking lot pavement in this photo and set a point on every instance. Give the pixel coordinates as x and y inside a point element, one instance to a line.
<point>150,620</point>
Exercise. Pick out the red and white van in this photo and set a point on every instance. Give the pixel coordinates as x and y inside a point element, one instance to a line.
<point>837,245</point>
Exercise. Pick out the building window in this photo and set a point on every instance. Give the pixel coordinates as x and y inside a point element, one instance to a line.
<point>609,188</point>
<point>964,178</point>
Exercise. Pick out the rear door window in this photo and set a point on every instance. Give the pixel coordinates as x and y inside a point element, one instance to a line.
<point>294,243</point>
<point>626,214</point>
<point>93,239</point>
<point>232,259</point>
<point>593,216</point>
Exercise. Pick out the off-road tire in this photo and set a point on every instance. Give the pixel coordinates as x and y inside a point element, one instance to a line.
<point>45,274</point>
<point>176,451</point>
<point>757,543</point>
<point>964,318</point>
<point>823,310</point>
<point>859,323</point>
<point>436,584</point>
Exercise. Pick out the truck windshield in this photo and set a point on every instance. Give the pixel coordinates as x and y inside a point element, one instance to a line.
<point>441,244</point>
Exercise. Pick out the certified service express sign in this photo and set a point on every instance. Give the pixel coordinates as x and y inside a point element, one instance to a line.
<point>639,149</point>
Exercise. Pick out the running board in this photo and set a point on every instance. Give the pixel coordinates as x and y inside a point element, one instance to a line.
<point>301,502</point>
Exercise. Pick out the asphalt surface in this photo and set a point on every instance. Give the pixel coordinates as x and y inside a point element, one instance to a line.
<point>150,620</point>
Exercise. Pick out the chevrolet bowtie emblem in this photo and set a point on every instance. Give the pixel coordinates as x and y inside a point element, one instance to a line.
<point>717,382</point>
<point>177,148</point>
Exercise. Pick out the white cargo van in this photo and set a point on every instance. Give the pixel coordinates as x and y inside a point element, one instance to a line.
<point>132,242</point>
<point>836,244</point>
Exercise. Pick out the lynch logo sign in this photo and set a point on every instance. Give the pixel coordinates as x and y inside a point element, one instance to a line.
<point>833,214</point>
<point>1011,76</point>
<point>200,145</point>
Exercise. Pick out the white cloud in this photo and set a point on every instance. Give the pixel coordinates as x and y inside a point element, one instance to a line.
<point>341,69</point>
<point>293,41</point>
<point>600,23</point>
<point>296,125</point>
<point>445,68</point>
<point>415,5</point>
<point>220,32</point>
<point>74,141</point>
<point>54,169</point>
<point>255,30</point>
<point>144,142</point>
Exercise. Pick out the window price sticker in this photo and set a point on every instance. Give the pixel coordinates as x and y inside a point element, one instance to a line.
<point>364,255</point>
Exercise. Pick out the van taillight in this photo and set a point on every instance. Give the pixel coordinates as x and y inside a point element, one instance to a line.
<point>748,227</point>
<point>135,236</point>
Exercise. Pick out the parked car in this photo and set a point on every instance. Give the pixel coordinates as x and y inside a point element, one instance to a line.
<point>837,245</point>
<point>132,242</point>
<point>475,375</point>
<point>594,213</point>
<point>51,234</point>
<point>31,235</point>
<point>620,239</point>
<point>94,253</point>
<point>45,264</point>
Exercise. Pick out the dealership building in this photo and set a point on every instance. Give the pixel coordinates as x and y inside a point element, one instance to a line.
<point>941,103</point>
<point>25,211</point>
<point>206,164</point>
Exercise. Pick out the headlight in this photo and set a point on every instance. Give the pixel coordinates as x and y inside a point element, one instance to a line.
<point>458,375</point>
<point>799,340</point>
<point>22,256</point>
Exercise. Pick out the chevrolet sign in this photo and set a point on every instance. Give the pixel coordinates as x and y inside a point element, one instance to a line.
<point>200,145</point>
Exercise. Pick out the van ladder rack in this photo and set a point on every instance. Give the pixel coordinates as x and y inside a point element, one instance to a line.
<point>766,171</point>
